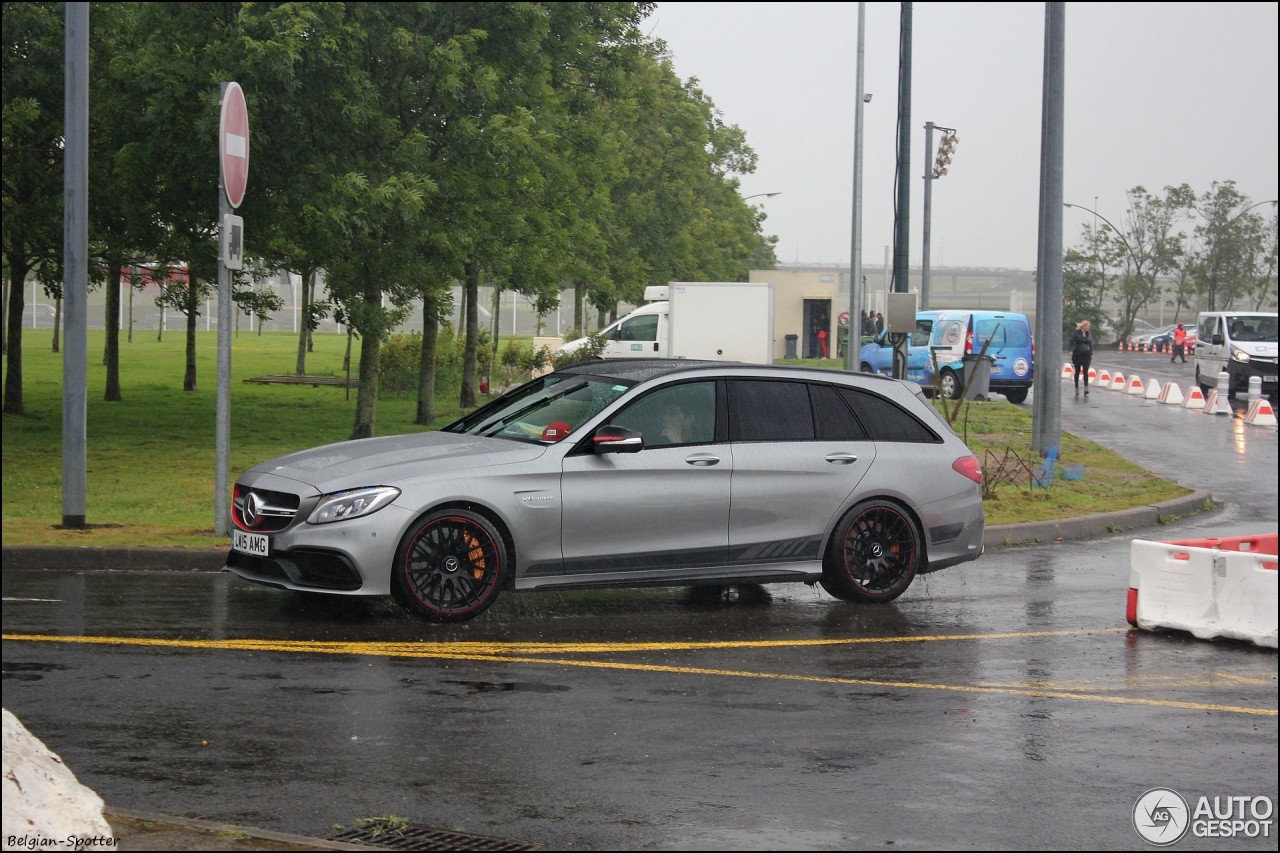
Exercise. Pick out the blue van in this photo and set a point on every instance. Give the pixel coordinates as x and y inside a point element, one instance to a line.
<point>949,336</point>
<point>877,356</point>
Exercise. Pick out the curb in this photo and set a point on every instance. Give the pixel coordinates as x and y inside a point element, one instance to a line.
<point>1098,524</point>
<point>211,559</point>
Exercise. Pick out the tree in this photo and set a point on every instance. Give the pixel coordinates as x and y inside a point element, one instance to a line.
<point>32,81</point>
<point>1236,244</point>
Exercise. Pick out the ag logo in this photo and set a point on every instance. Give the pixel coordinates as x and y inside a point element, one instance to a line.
<point>1161,816</point>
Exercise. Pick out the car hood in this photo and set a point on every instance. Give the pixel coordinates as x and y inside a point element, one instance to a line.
<point>388,460</point>
<point>1256,349</point>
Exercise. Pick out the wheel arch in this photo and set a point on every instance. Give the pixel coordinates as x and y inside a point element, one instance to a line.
<point>485,512</point>
<point>897,500</point>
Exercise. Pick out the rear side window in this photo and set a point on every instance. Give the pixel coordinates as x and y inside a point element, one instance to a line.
<point>761,410</point>
<point>885,420</point>
<point>832,419</point>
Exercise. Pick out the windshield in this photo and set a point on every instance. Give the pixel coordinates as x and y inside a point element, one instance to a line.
<point>543,411</point>
<point>1246,327</point>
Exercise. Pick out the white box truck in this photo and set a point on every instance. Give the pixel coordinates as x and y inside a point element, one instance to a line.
<point>721,321</point>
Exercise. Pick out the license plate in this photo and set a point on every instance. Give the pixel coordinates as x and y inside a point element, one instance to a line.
<point>257,544</point>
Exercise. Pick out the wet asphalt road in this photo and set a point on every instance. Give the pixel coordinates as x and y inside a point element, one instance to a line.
<point>999,705</point>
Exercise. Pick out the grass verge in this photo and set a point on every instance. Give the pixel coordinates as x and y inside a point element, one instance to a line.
<point>150,471</point>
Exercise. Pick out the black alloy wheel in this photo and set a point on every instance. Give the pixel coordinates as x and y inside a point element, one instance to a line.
<point>875,554</point>
<point>450,566</point>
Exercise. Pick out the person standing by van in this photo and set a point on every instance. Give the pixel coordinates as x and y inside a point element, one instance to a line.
<point>1179,345</point>
<point>1082,353</point>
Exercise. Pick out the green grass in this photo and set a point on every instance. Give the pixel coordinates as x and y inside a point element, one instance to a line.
<point>150,472</point>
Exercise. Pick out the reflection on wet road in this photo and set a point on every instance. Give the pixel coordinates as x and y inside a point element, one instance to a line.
<point>555,654</point>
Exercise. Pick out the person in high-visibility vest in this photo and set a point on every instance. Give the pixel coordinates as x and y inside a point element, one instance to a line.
<point>1179,345</point>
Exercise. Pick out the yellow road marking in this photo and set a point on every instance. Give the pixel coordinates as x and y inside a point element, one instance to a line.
<point>518,653</point>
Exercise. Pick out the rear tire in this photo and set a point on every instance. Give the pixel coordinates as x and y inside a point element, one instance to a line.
<point>1015,395</point>
<point>450,566</point>
<point>874,554</point>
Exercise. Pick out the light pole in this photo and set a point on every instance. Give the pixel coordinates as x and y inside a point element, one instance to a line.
<point>758,195</point>
<point>1120,236</point>
<point>1133,256</point>
<point>945,149</point>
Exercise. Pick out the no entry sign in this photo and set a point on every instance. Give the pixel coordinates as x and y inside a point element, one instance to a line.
<point>233,143</point>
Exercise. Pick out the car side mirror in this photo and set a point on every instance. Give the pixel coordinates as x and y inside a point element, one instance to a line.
<point>616,439</point>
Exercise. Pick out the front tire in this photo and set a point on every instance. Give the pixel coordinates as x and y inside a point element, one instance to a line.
<point>951,385</point>
<point>1204,389</point>
<point>450,566</point>
<point>874,555</point>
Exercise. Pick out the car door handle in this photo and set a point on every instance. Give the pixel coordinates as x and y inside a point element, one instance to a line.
<point>703,459</point>
<point>841,458</point>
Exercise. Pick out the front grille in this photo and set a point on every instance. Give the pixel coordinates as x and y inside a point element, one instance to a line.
<point>272,511</point>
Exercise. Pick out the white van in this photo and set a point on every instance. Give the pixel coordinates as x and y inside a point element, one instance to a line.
<point>1243,343</point>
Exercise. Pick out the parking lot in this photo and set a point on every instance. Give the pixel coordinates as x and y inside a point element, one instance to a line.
<point>1004,704</point>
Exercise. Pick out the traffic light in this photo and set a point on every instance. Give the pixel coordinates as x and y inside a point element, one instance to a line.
<point>946,148</point>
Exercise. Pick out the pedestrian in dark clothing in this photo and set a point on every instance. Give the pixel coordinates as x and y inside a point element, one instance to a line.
<point>1179,345</point>
<point>879,322</point>
<point>1082,354</point>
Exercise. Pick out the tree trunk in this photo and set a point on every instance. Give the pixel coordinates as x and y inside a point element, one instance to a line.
<point>111,352</point>
<point>427,365</point>
<point>370,344</point>
<point>311,299</point>
<point>193,302</point>
<point>471,289</point>
<point>13,378</point>
<point>497,314</point>
<point>4,315</point>
<point>304,317</point>
<point>579,292</point>
<point>57,322</point>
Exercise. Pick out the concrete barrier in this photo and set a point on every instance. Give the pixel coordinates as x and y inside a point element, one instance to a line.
<point>1209,587</point>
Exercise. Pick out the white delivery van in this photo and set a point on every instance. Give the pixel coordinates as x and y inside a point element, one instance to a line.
<point>1242,343</point>
<point>722,321</point>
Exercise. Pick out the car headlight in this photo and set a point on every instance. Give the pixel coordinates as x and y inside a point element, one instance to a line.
<point>354,503</point>
<point>1239,355</point>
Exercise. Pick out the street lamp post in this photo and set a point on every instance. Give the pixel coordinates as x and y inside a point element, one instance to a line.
<point>945,149</point>
<point>758,195</point>
<point>1119,235</point>
<point>1133,256</point>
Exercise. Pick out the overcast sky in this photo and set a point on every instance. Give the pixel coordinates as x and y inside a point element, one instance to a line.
<point>1157,94</point>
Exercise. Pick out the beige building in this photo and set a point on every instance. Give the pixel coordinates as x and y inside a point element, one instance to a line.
<point>812,298</point>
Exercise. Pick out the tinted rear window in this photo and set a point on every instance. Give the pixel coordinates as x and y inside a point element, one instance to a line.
<point>760,410</point>
<point>884,420</point>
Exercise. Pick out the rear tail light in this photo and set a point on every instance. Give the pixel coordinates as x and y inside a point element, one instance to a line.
<point>969,467</point>
<point>968,343</point>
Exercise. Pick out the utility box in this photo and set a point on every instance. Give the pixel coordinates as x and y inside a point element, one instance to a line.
<point>902,312</point>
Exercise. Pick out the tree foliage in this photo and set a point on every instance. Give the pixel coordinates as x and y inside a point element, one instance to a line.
<point>397,149</point>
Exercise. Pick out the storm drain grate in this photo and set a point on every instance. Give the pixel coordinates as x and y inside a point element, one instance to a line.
<point>409,836</point>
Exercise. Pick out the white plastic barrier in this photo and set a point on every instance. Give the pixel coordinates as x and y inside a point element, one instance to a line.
<point>1209,587</point>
